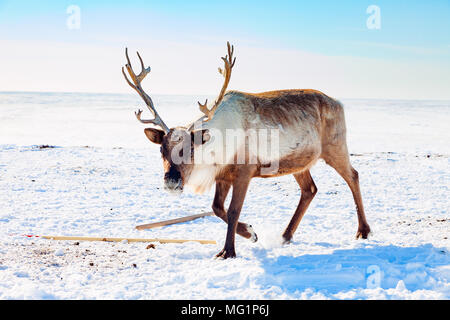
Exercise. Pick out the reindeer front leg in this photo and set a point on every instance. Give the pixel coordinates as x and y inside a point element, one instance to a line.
<point>240,186</point>
<point>243,229</point>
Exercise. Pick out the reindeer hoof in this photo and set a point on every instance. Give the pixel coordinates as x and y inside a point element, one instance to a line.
<point>225,254</point>
<point>253,236</point>
<point>287,241</point>
<point>363,232</point>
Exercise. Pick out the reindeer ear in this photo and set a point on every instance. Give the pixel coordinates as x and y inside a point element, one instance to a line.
<point>199,137</point>
<point>154,135</point>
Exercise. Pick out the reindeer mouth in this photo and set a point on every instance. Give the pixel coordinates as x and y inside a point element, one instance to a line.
<point>173,186</point>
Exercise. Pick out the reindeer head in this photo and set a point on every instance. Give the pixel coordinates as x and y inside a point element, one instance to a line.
<point>177,144</point>
<point>177,152</point>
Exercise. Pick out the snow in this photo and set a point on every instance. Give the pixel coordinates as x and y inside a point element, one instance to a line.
<point>100,177</point>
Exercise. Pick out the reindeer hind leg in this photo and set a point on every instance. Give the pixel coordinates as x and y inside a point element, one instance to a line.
<point>339,159</point>
<point>309,190</point>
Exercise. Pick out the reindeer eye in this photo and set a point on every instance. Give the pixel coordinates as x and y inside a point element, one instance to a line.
<point>177,138</point>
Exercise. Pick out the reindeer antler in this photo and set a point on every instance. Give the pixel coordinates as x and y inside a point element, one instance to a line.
<point>226,72</point>
<point>137,79</point>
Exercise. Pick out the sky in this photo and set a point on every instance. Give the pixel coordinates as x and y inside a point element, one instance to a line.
<point>348,49</point>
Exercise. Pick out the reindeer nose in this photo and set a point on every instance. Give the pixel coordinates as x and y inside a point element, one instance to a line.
<point>172,180</point>
<point>173,185</point>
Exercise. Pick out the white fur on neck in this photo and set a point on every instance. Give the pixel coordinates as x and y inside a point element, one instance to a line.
<point>202,178</point>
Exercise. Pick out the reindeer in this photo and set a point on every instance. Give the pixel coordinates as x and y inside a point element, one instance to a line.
<point>312,127</point>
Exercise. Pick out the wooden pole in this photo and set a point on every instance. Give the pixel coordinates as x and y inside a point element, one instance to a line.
<point>127,239</point>
<point>173,221</point>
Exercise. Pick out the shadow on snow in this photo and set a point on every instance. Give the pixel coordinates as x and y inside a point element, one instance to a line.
<point>367,267</point>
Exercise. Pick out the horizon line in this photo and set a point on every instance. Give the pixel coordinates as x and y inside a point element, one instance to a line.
<point>181,94</point>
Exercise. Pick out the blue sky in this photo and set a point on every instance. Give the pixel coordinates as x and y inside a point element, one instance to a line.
<point>416,32</point>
